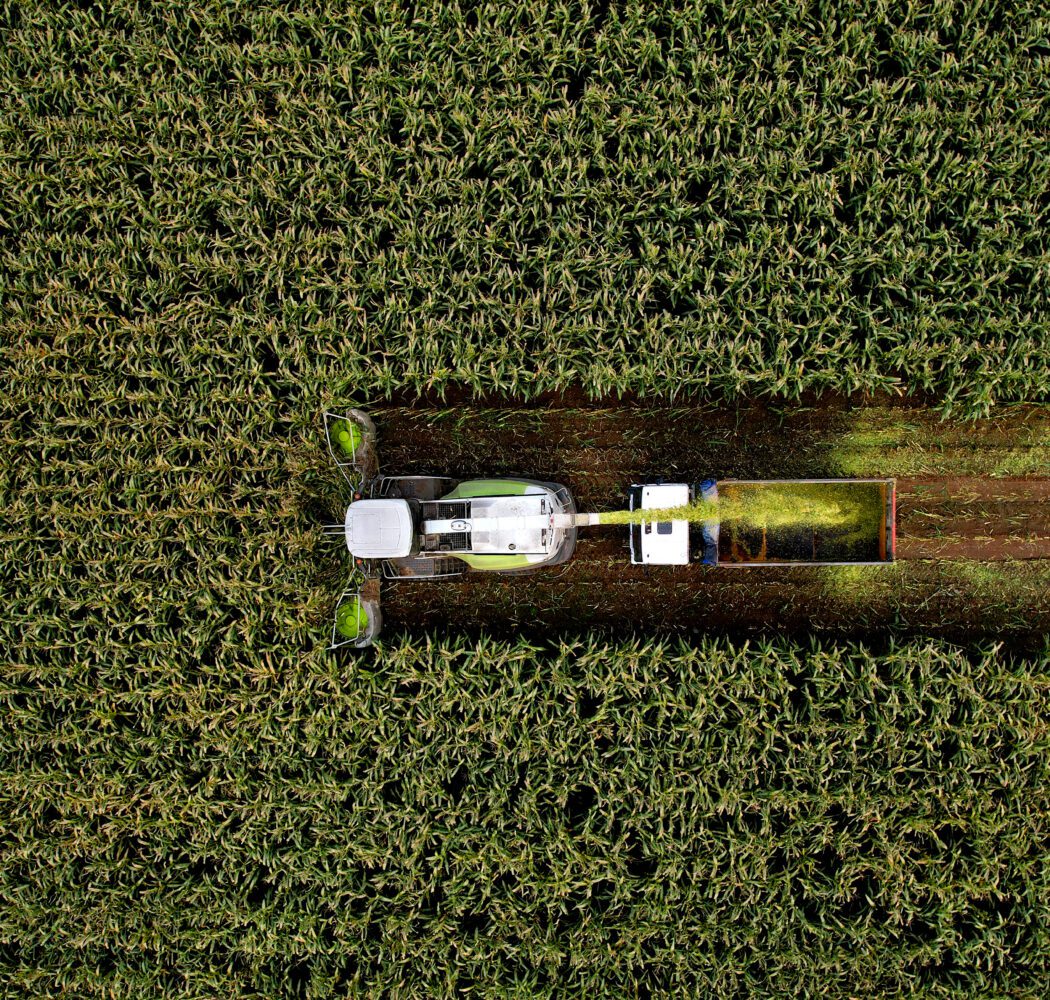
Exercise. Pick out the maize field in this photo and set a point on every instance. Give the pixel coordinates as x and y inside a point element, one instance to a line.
<point>491,818</point>
<point>591,242</point>
<point>719,198</point>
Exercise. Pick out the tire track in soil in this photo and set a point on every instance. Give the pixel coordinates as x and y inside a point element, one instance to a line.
<point>944,522</point>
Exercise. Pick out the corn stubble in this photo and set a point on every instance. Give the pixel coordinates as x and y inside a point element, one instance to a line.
<point>215,216</point>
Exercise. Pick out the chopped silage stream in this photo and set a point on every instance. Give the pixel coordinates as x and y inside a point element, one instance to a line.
<point>788,507</point>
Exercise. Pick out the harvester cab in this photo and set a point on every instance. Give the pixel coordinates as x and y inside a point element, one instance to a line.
<point>380,529</point>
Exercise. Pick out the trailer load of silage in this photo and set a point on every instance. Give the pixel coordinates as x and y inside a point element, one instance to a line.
<point>803,522</point>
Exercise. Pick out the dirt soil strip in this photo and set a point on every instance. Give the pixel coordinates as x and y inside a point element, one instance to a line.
<point>950,514</point>
<point>595,593</point>
<point>973,518</point>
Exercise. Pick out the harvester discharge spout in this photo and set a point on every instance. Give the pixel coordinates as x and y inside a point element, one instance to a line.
<point>534,522</point>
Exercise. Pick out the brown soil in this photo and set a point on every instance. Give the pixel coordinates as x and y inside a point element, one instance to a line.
<point>599,451</point>
<point>971,518</point>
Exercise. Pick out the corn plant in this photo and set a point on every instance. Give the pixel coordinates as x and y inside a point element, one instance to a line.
<point>666,200</point>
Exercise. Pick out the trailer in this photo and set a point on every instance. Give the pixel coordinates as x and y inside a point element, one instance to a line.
<point>403,528</point>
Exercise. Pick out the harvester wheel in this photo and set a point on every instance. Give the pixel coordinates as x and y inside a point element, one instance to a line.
<point>351,619</point>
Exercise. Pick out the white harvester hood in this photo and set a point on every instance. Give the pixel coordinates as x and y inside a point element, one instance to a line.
<point>505,525</point>
<point>379,529</point>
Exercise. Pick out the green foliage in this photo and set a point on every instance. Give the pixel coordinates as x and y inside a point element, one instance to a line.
<point>214,214</point>
<point>743,198</point>
<point>198,801</point>
<point>495,818</point>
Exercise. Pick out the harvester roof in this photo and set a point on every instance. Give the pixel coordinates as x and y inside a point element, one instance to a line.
<point>379,529</point>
